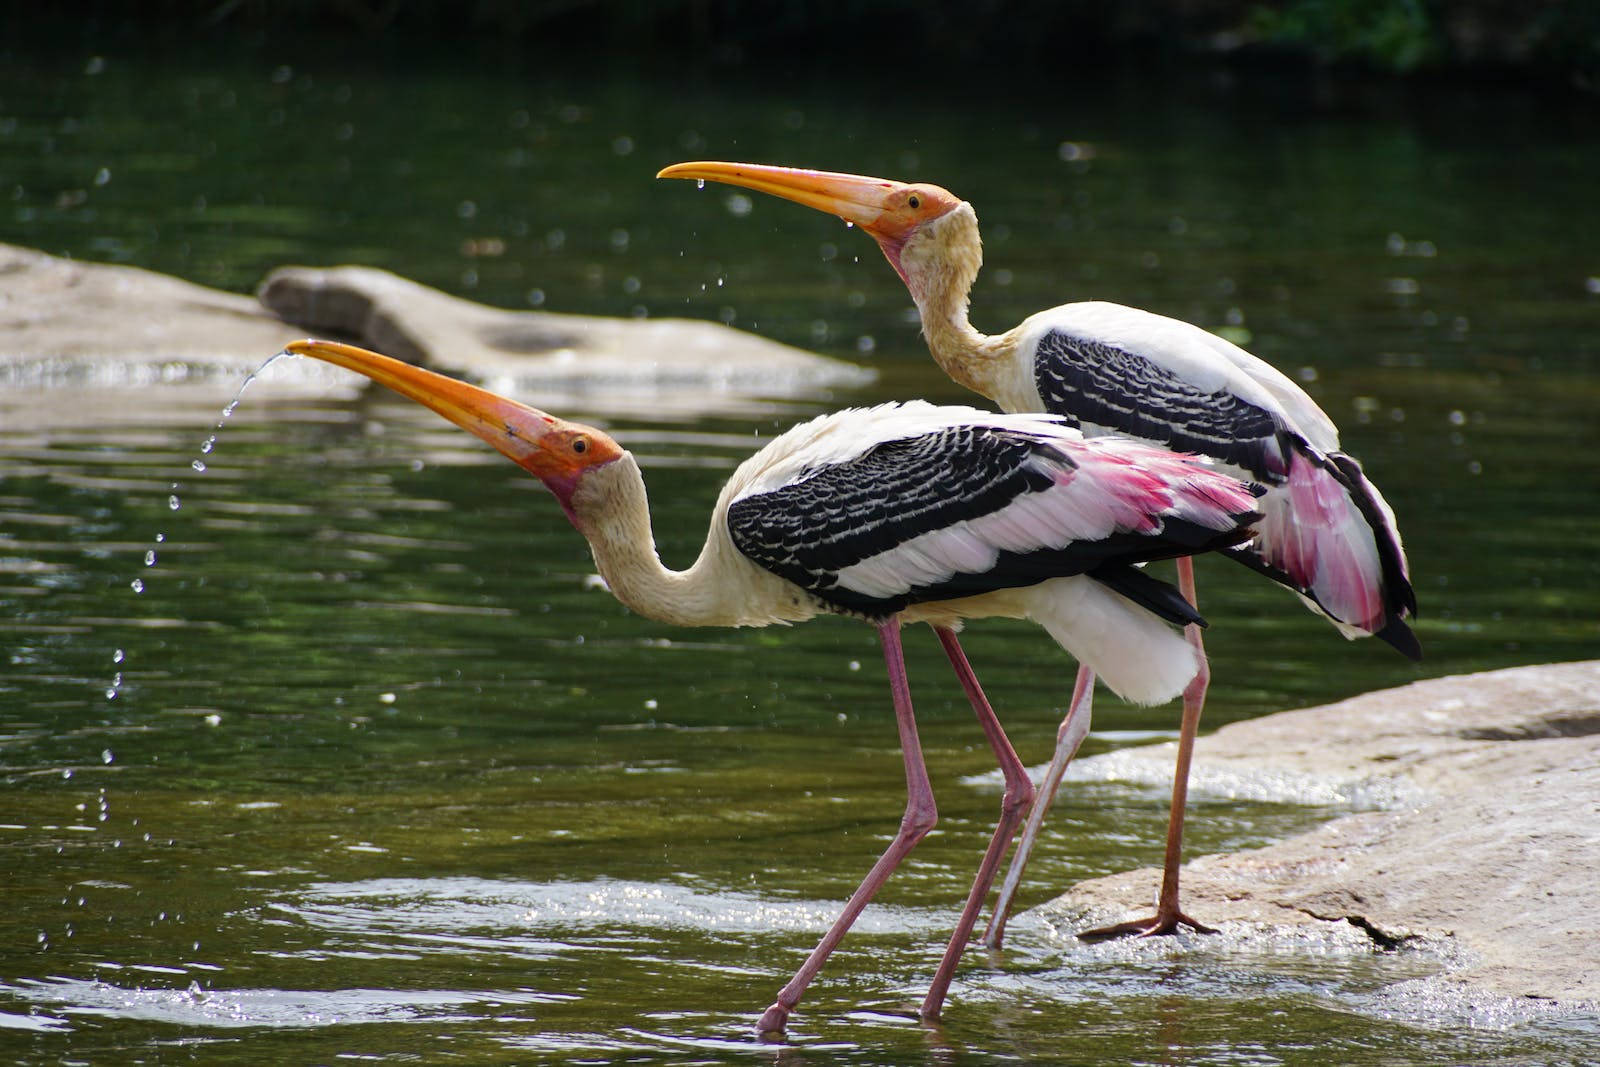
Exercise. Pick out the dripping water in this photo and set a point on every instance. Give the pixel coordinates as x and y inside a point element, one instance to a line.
<point>174,502</point>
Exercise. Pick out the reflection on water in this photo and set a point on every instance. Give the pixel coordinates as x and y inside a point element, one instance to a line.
<point>381,753</point>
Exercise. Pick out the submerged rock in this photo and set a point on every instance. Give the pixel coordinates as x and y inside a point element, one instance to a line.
<point>1488,851</point>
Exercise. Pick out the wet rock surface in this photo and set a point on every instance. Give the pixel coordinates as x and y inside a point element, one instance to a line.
<point>1486,850</point>
<point>421,325</point>
<point>89,332</point>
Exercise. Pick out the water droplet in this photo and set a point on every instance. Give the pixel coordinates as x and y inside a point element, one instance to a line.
<point>209,444</point>
<point>106,756</point>
<point>137,585</point>
<point>699,183</point>
<point>849,225</point>
<point>116,680</point>
<point>160,537</point>
<point>197,465</point>
<point>150,558</point>
<point>229,409</point>
<point>172,502</point>
<point>720,281</point>
<point>111,694</point>
<point>117,656</point>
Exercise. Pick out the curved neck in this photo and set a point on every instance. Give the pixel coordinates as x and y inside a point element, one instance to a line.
<point>941,263</point>
<point>610,508</point>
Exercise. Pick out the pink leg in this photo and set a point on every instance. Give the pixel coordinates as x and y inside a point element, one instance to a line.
<point>1169,916</point>
<point>1017,797</point>
<point>1074,728</point>
<point>919,818</point>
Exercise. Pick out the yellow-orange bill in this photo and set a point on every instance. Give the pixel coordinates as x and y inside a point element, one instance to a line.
<point>853,197</point>
<point>535,441</point>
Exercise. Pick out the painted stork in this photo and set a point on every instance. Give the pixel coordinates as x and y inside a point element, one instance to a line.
<point>1328,533</point>
<point>894,514</point>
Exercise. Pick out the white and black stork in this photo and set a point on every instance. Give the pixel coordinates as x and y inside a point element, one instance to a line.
<point>1328,533</point>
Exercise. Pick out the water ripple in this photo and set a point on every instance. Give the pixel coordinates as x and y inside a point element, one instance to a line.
<point>195,1006</point>
<point>432,908</point>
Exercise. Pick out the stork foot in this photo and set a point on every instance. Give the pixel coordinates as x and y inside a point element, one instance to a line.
<point>773,1020</point>
<point>1157,925</point>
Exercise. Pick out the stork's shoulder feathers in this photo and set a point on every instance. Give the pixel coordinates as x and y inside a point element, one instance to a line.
<point>842,436</point>
<point>1198,357</point>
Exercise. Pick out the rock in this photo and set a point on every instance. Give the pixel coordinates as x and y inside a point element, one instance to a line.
<point>75,338</point>
<point>88,333</point>
<point>542,349</point>
<point>1490,851</point>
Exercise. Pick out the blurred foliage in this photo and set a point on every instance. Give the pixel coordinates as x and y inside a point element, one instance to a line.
<point>1545,40</point>
<point>1553,37</point>
<point>1394,34</point>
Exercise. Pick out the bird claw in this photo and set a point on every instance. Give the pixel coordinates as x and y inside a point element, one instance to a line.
<point>1157,925</point>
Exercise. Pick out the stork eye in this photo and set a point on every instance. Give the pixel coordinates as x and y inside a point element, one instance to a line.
<point>580,445</point>
<point>915,201</point>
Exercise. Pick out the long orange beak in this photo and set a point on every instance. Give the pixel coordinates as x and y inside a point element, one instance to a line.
<point>554,450</point>
<point>855,198</point>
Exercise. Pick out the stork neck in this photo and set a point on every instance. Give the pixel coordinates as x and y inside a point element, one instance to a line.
<point>612,511</point>
<point>961,351</point>
<point>941,265</point>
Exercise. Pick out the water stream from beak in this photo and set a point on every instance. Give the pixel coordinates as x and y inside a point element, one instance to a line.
<point>119,657</point>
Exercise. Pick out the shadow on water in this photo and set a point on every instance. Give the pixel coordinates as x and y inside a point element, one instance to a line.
<point>385,774</point>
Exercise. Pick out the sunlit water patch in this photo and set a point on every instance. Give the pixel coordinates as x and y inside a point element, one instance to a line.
<point>442,912</point>
<point>195,1006</point>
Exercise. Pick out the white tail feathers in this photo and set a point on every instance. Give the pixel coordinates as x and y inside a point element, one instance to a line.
<point>1139,656</point>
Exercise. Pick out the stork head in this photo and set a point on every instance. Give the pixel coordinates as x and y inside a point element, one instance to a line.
<point>557,452</point>
<point>921,228</point>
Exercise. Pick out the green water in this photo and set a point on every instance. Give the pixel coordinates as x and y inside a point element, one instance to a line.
<point>385,777</point>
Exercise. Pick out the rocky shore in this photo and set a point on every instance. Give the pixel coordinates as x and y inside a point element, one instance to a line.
<point>1485,845</point>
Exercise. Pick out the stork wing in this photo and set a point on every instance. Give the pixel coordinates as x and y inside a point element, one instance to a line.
<point>1115,387</point>
<point>973,508</point>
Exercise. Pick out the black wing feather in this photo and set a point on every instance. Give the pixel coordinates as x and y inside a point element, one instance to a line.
<point>1090,381</point>
<point>838,515</point>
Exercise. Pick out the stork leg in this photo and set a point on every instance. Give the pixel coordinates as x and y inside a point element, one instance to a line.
<point>919,818</point>
<point>1018,795</point>
<point>1169,916</point>
<point>1074,728</point>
